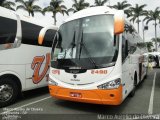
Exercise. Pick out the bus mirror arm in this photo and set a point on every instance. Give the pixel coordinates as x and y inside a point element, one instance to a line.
<point>43,32</point>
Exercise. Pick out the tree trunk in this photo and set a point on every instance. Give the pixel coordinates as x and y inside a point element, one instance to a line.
<point>138,24</point>
<point>55,20</point>
<point>32,13</point>
<point>156,35</point>
<point>143,31</point>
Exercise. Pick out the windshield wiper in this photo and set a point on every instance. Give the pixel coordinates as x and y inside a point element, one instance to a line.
<point>82,44</point>
<point>107,65</point>
<point>73,44</point>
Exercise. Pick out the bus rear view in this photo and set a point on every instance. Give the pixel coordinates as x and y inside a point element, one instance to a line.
<point>86,58</point>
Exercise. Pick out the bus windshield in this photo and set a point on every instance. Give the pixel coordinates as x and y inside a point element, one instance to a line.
<point>85,43</point>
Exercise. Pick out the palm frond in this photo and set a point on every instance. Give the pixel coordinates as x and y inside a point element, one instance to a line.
<point>36,7</point>
<point>71,10</point>
<point>104,1</point>
<point>32,2</point>
<point>100,3</point>
<point>21,2</point>
<point>63,6</point>
<point>121,5</point>
<point>150,19</point>
<point>48,9</point>
<point>21,7</point>
<point>133,19</point>
<point>142,6</point>
<point>79,5</point>
<point>65,12</point>
<point>39,11</point>
<point>9,3</point>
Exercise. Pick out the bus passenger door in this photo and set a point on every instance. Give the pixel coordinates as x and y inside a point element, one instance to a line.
<point>126,76</point>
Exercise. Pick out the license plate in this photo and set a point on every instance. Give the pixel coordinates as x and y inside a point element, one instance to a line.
<point>77,95</point>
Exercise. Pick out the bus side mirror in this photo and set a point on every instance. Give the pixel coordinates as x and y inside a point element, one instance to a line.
<point>43,32</point>
<point>119,22</point>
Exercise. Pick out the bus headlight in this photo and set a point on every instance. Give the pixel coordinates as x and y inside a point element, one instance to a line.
<point>52,82</point>
<point>111,84</point>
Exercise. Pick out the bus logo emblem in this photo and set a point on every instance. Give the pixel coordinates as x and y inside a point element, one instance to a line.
<point>75,76</point>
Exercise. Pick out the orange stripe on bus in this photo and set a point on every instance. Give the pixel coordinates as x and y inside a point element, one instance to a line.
<point>118,25</point>
<point>40,40</point>
<point>107,97</point>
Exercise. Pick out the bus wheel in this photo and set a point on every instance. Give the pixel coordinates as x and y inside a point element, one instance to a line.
<point>8,91</point>
<point>134,86</point>
<point>145,77</point>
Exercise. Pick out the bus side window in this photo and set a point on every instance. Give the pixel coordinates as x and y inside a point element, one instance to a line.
<point>30,33</point>
<point>7,32</point>
<point>124,47</point>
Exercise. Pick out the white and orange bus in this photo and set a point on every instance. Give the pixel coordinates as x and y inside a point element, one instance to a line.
<point>96,58</point>
<point>24,63</point>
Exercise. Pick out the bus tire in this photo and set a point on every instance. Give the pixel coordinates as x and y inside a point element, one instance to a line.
<point>8,91</point>
<point>145,77</point>
<point>132,93</point>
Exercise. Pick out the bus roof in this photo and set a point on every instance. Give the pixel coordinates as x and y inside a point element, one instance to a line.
<point>10,14</point>
<point>95,11</point>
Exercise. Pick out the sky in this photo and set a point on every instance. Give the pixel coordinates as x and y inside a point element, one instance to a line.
<point>151,5</point>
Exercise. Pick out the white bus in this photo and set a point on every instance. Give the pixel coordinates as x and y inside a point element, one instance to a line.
<point>96,58</point>
<point>23,62</point>
<point>152,58</point>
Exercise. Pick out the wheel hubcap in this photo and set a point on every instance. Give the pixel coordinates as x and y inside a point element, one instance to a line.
<point>6,92</point>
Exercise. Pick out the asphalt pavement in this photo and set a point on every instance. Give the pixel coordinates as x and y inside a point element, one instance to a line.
<point>37,104</point>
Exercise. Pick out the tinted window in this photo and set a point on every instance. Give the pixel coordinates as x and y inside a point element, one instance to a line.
<point>131,36</point>
<point>30,33</point>
<point>123,48</point>
<point>8,29</point>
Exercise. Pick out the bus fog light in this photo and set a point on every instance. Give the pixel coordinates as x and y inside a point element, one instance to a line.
<point>52,82</point>
<point>111,84</point>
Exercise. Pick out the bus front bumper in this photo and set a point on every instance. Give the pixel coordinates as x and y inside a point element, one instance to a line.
<point>107,97</point>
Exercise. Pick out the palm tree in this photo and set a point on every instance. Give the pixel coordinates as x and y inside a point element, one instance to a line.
<point>153,16</point>
<point>29,6</point>
<point>56,7</point>
<point>7,4</point>
<point>100,2</point>
<point>78,5</point>
<point>123,6</point>
<point>136,12</point>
